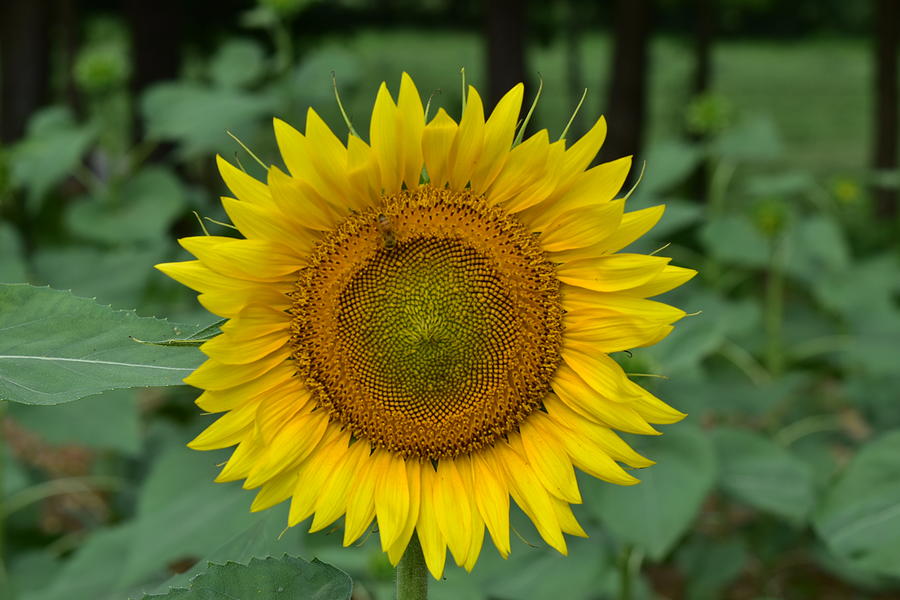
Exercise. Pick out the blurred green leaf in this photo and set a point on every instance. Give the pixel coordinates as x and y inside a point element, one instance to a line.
<point>653,514</point>
<point>753,139</point>
<point>197,117</point>
<point>12,267</point>
<point>734,240</point>
<point>668,164</point>
<point>816,247</point>
<point>755,470</point>
<point>117,277</point>
<point>237,63</point>
<point>51,150</point>
<point>710,565</point>
<point>271,578</point>
<point>57,347</point>
<point>182,514</point>
<point>859,518</point>
<point>142,209</point>
<point>77,422</point>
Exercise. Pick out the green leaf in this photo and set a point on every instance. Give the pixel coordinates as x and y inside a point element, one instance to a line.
<point>860,516</point>
<point>238,63</point>
<point>77,422</point>
<point>653,514</point>
<point>57,347</point>
<point>271,578</point>
<point>197,116</point>
<point>734,240</point>
<point>754,139</point>
<point>197,338</point>
<point>668,164</point>
<point>116,277</point>
<point>142,209</point>
<point>51,150</point>
<point>762,474</point>
<point>12,267</point>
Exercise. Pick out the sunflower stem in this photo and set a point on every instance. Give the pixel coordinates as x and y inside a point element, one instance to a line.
<point>412,575</point>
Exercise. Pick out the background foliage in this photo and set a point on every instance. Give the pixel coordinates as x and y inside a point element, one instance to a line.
<point>784,482</point>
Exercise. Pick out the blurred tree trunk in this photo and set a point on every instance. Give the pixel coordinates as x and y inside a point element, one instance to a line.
<point>704,31</point>
<point>627,103</point>
<point>887,32</point>
<point>504,30</point>
<point>156,32</point>
<point>574,64</point>
<point>24,63</point>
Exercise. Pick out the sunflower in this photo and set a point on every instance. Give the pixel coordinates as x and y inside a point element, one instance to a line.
<point>419,327</point>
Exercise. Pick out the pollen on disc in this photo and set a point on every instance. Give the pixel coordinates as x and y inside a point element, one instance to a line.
<point>430,326</point>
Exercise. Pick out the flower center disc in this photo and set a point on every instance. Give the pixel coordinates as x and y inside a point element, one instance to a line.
<point>430,327</point>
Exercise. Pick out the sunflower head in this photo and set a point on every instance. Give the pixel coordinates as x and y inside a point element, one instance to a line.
<point>419,326</point>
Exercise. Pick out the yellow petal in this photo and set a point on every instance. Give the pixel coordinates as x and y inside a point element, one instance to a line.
<point>611,334</point>
<point>544,454</point>
<point>451,504</point>
<point>256,320</point>
<point>329,159</point>
<point>279,406</point>
<point>237,349</point>
<point>582,228</point>
<point>634,225</point>
<point>531,497</point>
<point>580,155</point>
<point>612,273</point>
<point>467,145</point>
<point>240,462</point>
<point>414,479</point>
<point>252,260</point>
<point>291,444</point>
<point>197,276</point>
<point>361,501</point>
<point>391,496</point>
<point>213,375</point>
<point>464,467</point>
<point>652,408</point>
<point>275,491</point>
<point>492,498</point>
<point>230,303</point>
<point>567,521</point>
<point>580,301</point>
<point>385,140</point>
<point>541,189</point>
<point>267,224</point>
<point>525,167</point>
<point>434,548</point>
<point>499,131</point>
<point>412,124</point>
<point>339,469</point>
<point>215,401</point>
<point>244,186</point>
<point>667,279</point>
<point>593,187</point>
<point>582,393</point>
<point>363,175</point>
<point>228,430</point>
<point>566,421</point>
<point>301,202</point>
<point>437,139</point>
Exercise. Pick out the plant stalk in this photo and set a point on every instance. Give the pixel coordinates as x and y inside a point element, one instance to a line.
<point>412,575</point>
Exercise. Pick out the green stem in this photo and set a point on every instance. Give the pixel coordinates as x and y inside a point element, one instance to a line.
<point>775,308</point>
<point>5,591</point>
<point>412,575</point>
<point>625,574</point>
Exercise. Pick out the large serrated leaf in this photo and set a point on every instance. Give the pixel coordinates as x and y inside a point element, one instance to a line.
<point>272,578</point>
<point>859,517</point>
<point>56,347</point>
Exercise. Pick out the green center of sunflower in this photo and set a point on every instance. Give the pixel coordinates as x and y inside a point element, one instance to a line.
<point>431,326</point>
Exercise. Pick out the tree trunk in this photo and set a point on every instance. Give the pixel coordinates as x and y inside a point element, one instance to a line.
<point>887,31</point>
<point>627,104</point>
<point>504,31</point>
<point>704,27</point>
<point>24,63</point>
<point>574,65</point>
<point>156,46</point>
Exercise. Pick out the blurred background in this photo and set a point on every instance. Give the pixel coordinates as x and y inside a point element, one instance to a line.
<point>770,131</point>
